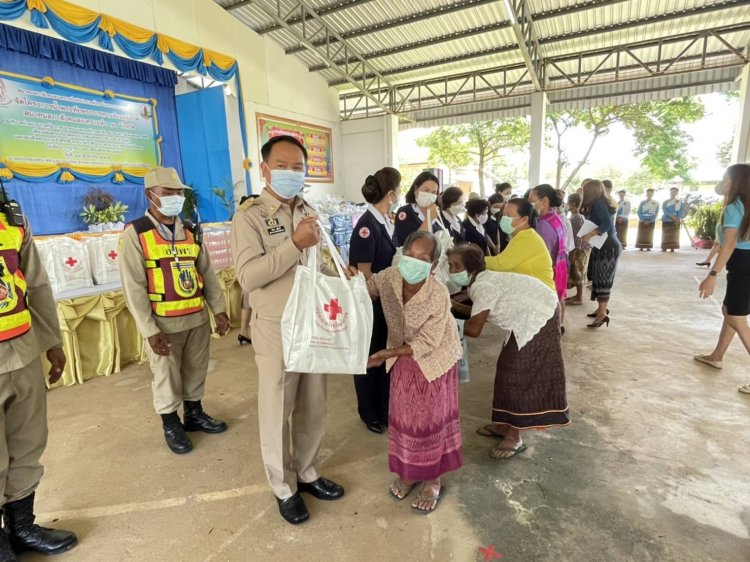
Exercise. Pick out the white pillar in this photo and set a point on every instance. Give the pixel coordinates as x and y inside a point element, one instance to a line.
<point>536,148</point>
<point>368,145</point>
<point>741,146</point>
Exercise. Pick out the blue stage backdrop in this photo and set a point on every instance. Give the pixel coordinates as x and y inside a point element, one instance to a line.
<point>54,208</point>
<point>205,149</point>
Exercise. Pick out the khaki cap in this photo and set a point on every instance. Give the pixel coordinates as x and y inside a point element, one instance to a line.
<point>163,177</point>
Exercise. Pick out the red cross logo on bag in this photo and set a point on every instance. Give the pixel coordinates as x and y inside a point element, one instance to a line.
<point>112,255</point>
<point>71,262</point>
<point>333,309</point>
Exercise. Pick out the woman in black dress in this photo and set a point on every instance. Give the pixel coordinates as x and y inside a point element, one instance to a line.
<point>451,206</point>
<point>477,215</point>
<point>373,245</point>
<point>421,202</point>
<point>494,232</point>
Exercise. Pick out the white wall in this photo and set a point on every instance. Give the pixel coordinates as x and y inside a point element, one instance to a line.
<point>272,82</point>
<point>371,144</point>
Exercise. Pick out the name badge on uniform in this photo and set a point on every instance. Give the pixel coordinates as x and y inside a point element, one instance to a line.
<point>274,227</point>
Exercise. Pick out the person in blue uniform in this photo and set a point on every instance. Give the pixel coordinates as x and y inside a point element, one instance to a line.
<point>452,205</point>
<point>421,201</point>
<point>372,247</point>
<point>477,215</point>
<point>648,211</point>
<point>673,211</point>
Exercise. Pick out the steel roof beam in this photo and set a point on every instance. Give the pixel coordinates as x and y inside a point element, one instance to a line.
<point>528,45</point>
<point>457,6</point>
<point>326,10</point>
<point>312,26</point>
<point>727,4</point>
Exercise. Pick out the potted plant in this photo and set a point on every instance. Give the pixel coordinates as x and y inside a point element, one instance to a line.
<point>102,212</point>
<point>705,221</point>
<point>92,217</point>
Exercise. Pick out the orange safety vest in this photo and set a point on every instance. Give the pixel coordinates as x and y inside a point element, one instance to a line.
<point>15,317</point>
<point>175,288</point>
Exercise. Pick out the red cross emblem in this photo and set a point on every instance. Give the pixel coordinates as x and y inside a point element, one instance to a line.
<point>402,216</point>
<point>112,255</point>
<point>70,262</point>
<point>364,232</point>
<point>490,553</point>
<point>333,309</point>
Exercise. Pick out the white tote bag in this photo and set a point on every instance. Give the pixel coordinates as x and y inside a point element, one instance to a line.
<point>327,323</point>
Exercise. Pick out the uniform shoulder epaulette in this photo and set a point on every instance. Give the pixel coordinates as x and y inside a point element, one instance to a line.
<point>248,202</point>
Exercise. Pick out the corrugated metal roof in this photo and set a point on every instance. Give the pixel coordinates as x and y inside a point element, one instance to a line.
<point>409,42</point>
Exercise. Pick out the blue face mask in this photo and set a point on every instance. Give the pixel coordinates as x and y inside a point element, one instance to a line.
<point>461,278</point>
<point>414,271</point>
<point>506,225</point>
<point>287,183</point>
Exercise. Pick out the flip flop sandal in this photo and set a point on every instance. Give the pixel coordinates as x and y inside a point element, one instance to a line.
<point>745,388</point>
<point>573,303</point>
<point>486,431</point>
<point>402,488</point>
<point>421,498</point>
<point>515,452</point>
<point>701,358</point>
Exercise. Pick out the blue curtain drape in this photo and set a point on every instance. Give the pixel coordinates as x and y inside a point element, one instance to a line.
<point>53,208</point>
<point>204,143</point>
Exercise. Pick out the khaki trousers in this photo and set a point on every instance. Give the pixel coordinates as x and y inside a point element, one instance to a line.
<point>23,430</point>
<point>181,375</point>
<point>291,413</point>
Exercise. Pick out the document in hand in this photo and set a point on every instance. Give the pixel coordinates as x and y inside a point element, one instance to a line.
<point>589,227</point>
<point>327,323</point>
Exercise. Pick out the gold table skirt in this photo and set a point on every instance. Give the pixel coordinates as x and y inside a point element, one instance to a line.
<point>100,337</point>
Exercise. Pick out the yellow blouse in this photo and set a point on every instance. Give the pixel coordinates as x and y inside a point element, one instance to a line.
<point>526,254</point>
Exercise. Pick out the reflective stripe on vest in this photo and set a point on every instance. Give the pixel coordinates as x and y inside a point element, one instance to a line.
<point>15,317</point>
<point>175,288</point>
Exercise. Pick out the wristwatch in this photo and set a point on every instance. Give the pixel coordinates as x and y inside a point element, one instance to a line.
<point>713,273</point>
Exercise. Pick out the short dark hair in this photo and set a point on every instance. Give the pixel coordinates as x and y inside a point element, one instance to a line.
<point>450,196</point>
<point>495,198</point>
<point>575,199</point>
<point>423,234</point>
<point>382,182</point>
<point>418,181</point>
<point>471,255</point>
<point>546,190</point>
<point>476,207</point>
<point>525,209</point>
<point>265,151</point>
<point>502,186</point>
<point>651,189</point>
<point>607,184</point>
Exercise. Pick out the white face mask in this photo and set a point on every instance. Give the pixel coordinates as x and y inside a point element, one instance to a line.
<point>495,210</point>
<point>457,209</point>
<point>482,219</point>
<point>170,205</point>
<point>425,199</point>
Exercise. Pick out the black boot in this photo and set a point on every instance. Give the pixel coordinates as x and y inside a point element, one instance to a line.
<point>6,551</point>
<point>18,517</point>
<point>198,420</point>
<point>174,434</point>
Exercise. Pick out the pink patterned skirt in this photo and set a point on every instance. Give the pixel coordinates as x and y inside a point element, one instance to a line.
<point>424,433</point>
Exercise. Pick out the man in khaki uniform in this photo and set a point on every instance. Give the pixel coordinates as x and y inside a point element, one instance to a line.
<point>270,236</point>
<point>28,328</point>
<point>167,280</point>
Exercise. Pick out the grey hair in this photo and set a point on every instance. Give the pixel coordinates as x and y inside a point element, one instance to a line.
<point>424,235</point>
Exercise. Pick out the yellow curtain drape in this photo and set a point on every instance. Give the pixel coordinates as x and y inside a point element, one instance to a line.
<point>71,13</point>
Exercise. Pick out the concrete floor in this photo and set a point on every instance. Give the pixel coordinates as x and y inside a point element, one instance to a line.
<point>653,468</point>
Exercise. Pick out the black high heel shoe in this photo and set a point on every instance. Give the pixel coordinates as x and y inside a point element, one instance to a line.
<point>243,340</point>
<point>703,263</point>
<point>594,314</point>
<point>599,324</point>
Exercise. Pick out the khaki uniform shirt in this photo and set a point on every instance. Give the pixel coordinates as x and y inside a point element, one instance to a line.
<point>45,326</point>
<point>265,258</point>
<point>135,286</point>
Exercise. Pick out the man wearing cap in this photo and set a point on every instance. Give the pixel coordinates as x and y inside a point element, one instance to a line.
<point>28,328</point>
<point>648,210</point>
<point>673,211</point>
<point>271,236</point>
<point>622,219</point>
<point>168,281</point>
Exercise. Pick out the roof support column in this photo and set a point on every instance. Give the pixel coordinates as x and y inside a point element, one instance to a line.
<point>741,146</point>
<point>536,148</point>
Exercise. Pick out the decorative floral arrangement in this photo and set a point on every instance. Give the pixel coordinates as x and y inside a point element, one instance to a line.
<point>102,212</point>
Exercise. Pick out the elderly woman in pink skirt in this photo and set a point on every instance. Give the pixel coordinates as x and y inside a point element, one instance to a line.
<point>424,436</point>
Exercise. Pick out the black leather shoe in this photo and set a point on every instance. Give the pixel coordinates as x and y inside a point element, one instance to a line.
<point>375,427</point>
<point>174,434</point>
<point>6,551</point>
<point>24,535</point>
<point>293,509</point>
<point>198,420</point>
<point>322,488</point>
